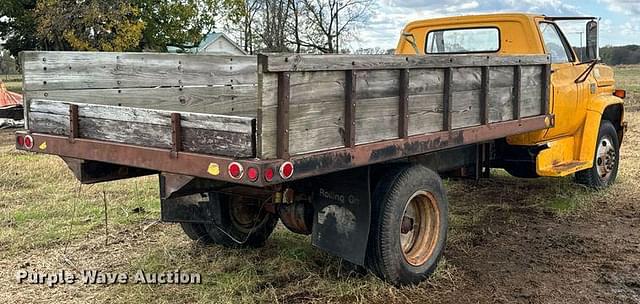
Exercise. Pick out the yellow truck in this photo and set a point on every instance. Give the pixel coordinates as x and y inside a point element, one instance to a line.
<point>349,149</point>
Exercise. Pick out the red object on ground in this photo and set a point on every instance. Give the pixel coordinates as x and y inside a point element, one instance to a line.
<point>8,98</point>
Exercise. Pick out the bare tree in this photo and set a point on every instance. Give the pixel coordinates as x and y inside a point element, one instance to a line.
<point>274,19</point>
<point>330,19</point>
<point>299,25</point>
<point>251,9</point>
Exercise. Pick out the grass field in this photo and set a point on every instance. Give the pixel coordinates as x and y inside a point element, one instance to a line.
<point>511,241</point>
<point>13,82</point>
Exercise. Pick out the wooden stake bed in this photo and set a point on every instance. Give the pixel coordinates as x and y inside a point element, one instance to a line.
<point>323,113</point>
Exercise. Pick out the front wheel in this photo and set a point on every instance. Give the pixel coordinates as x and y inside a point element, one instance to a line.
<point>409,225</point>
<point>605,161</point>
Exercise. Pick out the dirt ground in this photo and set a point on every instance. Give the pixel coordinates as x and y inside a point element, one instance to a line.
<point>511,241</point>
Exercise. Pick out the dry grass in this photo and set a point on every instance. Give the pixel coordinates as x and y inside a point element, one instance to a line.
<point>628,78</point>
<point>48,222</point>
<point>13,82</point>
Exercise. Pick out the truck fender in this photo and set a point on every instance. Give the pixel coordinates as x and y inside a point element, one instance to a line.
<point>600,108</point>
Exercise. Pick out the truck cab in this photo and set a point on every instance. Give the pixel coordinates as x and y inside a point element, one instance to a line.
<point>582,94</point>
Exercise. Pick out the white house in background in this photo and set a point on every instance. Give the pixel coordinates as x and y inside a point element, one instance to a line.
<point>214,43</point>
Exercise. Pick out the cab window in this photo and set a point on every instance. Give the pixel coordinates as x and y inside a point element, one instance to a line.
<point>469,40</point>
<point>555,44</point>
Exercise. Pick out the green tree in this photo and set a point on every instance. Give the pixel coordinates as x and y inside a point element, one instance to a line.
<point>182,23</point>
<point>91,25</point>
<point>18,26</point>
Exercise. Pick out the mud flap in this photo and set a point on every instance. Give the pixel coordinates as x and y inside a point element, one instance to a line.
<point>343,214</point>
<point>181,200</point>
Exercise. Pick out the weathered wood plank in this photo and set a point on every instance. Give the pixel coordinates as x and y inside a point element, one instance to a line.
<point>426,81</point>
<point>202,133</point>
<point>466,93</point>
<point>500,104</point>
<point>156,117</point>
<point>158,136</point>
<point>378,84</point>
<point>425,113</point>
<point>377,119</point>
<point>102,70</point>
<point>309,87</point>
<point>224,100</point>
<point>266,114</point>
<point>298,62</point>
<point>317,126</point>
<point>500,97</point>
<point>531,91</point>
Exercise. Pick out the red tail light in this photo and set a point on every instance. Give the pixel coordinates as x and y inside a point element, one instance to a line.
<point>236,171</point>
<point>286,170</point>
<point>28,142</point>
<point>20,141</point>
<point>268,174</point>
<point>253,174</point>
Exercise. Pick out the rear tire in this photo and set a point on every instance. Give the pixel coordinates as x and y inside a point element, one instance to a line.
<point>245,223</point>
<point>605,161</point>
<point>196,232</point>
<point>409,225</point>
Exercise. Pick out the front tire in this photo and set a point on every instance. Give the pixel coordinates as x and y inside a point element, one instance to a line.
<point>409,225</point>
<point>605,161</point>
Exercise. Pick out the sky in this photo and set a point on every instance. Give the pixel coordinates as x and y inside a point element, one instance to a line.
<point>620,24</point>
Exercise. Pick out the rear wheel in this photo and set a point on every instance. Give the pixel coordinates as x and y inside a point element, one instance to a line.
<point>605,161</point>
<point>196,232</point>
<point>244,222</point>
<point>409,225</point>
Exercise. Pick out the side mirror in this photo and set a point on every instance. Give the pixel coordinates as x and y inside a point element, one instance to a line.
<point>592,49</point>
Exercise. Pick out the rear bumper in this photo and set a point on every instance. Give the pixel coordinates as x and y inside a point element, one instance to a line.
<point>161,160</point>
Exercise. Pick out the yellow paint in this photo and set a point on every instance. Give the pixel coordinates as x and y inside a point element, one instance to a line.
<point>214,169</point>
<point>577,109</point>
<point>43,146</point>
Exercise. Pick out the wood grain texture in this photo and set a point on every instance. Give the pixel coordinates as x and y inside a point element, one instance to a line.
<point>103,70</point>
<point>299,62</point>
<point>532,83</point>
<point>466,88</point>
<point>500,97</point>
<point>267,113</point>
<point>224,100</point>
<point>202,133</point>
<point>378,100</point>
<point>426,87</point>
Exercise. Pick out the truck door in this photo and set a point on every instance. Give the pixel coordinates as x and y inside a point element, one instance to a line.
<point>564,96</point>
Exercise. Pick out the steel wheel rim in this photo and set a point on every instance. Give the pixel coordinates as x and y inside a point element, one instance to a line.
<point>245,214</point>
<point>605,158</point>
<point>419,228</point>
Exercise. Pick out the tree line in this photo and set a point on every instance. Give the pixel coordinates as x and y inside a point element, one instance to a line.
<point>319,26</point>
